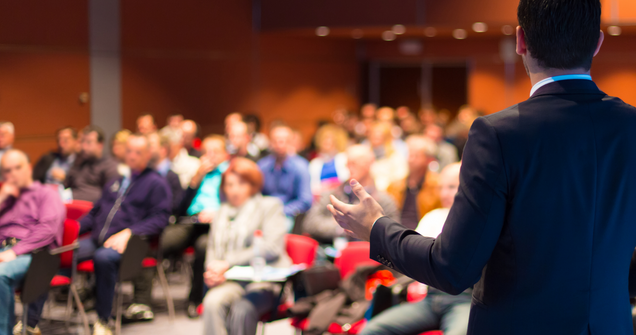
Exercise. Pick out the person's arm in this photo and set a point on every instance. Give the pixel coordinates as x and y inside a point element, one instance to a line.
<point>303,193</point>
<point>50,224</point>
<point>109,172</point>
<point>454,261</point>
<point>186,200</point>
<point>274,228</point>
<point>158,210</point>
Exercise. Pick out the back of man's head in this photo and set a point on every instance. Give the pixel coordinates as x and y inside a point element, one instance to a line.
<point>561,34</point>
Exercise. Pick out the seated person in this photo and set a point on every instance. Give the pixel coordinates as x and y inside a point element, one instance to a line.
<point>390,164</point>
<point>329,169</point>
<point>31,218</point>
<point>320,224</point>
<point>240,142</point>
<point>200,199</point>
<point>118,144</point>
<point>417,194</point>
<point>286,176</point>
<point>91,170</point>
<point>141,309</point>
<point>438,310</point>
<point>184,163</point>
<point>234,307</point>
<point>53,167</point>
<point>139,205</point>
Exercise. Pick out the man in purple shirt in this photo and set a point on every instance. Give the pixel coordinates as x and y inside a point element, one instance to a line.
<point>31,217</point>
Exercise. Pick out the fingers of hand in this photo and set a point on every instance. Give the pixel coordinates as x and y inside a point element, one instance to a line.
<point>360,192</point>
<point>338,205</point>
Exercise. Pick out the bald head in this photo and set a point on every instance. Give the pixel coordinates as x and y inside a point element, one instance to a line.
<point>16,169</point>
<point>7,134</point>
<point>138,152</point>
<point>449,184</point>
<point>359,161</point>
<point>238,136</point>
<point>189,131</point>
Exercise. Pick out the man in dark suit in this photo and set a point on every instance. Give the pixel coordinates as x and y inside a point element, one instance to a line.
<point>544,223</point>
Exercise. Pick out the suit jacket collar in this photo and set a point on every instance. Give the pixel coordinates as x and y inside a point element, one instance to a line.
<point>564,87</point>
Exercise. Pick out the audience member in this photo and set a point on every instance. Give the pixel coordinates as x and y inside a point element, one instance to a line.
<point>417,194</point>
<point>118,151</point>
<point>241,143</point>
<point>91,170</point>
<point>31,218</point>
<point>53,167</point>
<point>386,115</point>
<point>189,131</point>
<point>390,165</point>
<point>329,169</point>
<point>446,152</point>
<point>173,125</point>
<point>438,310</point>
<point>160,151</point>
<point>457,131</point>
<point>428,116</point>
<point>201,199</point>
<point>183,164</point>
<point>135,205</point>
<point>258,139</point>
<point>146,124</point>
<point>141,309</point>
<point>286,176</point>
<point>7,136</point>
<point>235,307</point>
<point>410,125</point>
<point>320,224</point>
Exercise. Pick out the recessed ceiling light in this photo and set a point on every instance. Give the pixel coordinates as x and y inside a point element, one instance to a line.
<point>399,29</point>
<point>430,32</point>
<point>480,27</point>
<point>388,36</point>
<point>322,31</point>
<point>460,34</point>
<point>614,30</point>
<point>507,30</point>
<point>357,34</point>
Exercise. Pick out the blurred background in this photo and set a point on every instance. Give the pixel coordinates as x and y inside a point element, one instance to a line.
<point>70,62</point>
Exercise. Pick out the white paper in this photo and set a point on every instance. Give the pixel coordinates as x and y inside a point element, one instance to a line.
<point>270,274</point>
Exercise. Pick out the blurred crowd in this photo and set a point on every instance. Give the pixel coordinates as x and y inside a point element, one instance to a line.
<point>230,197</point>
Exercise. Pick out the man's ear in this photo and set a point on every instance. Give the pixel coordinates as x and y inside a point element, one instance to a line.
<point>601,38</point>
<point>522,48</point>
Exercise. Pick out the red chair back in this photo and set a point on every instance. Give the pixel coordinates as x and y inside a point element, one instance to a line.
<point>77,209</point>
<point>301,249</point>
<point>354,255</point>
<point>71,232</point>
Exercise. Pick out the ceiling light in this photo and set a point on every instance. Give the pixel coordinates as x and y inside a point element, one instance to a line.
<point>614,30</point>
<point>399,29</point>
<point>388,36</point>
<point>430,32</point>
<point>357,34</point>
<point>507,30</point>
<point>459,34</point>
<point>480,27</point>
<point>322,31</point>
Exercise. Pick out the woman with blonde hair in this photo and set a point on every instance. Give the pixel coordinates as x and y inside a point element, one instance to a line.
<point>329,168</point>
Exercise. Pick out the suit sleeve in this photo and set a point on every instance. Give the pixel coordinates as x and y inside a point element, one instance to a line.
<point>632,276</point>
<point>454,261</point>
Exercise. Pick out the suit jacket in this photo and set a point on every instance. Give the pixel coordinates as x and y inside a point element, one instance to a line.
<point>544,223</point>
<point>427,199</point>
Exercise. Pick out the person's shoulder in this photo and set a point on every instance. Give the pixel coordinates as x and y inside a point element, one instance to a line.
<point>619,104</point>
<point>266,161</point>
<point>298,161</point>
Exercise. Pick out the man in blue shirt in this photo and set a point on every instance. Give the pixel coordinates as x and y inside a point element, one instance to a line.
<point>286,176</point>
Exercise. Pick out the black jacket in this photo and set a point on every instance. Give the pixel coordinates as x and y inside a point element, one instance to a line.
<point>43,165</point>
<point>544,221</point>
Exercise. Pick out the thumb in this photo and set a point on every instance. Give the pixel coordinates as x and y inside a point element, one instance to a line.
<point>359,191</point>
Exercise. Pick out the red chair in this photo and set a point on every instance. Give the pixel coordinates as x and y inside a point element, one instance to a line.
<point>354,255</point>
<point>77,209</point>
<point>301,249</point>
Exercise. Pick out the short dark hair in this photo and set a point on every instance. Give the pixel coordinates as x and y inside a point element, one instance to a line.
<point>253,118</point>
<point>72,129</point>
<point>92,128</point>
<point>561,34</point>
